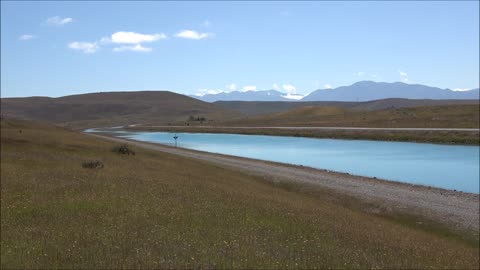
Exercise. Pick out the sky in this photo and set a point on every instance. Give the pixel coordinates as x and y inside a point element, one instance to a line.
<point>62,48</point>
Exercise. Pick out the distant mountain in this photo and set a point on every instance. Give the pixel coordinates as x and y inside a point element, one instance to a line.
<point>368,90</point>
<point>267,95</point>
<point>360,91</point>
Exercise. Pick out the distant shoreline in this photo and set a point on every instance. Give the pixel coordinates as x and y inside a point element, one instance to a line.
<point>452,136</point>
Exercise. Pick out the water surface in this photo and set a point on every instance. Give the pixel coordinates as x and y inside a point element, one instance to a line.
<point>444,166</point>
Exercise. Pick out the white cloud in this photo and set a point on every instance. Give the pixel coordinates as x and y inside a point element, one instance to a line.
<point>231,87</point>
<point>289,88</point>
<point>203,92</point>
<point>249,88</point>
<point>461,89</point>
<point>276,87</point>
<point>132,38</point>
<point>293,96</point>
<point>190,34</point>
<point>213,91</point>
<point>403,76</point>
<point>85,47</point>
<point>327,86</point>
<point>26,37</point>
<point>57,20</point>
<point>133,48</point>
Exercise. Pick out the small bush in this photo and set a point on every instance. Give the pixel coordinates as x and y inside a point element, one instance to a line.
<point>94,164</point>
<point>196,118</point>
<point>123,149</point>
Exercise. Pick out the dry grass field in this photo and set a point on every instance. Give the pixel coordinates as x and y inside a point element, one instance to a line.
<point>156,210</point>
<point>438,116</point>
<point>442,116</point>
<point>256,108</point>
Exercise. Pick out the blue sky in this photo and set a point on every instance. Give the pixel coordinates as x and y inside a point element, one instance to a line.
<point>61,48</point>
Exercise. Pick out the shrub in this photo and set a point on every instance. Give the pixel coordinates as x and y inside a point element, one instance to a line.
<point>93,164</point>
<point>123,149</point>
<point>196,118</point>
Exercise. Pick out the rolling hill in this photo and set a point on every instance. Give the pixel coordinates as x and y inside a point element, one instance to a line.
<point>368,90</point>
<point>113,108</point>
<point>254,108</point>
<point>165,108</point>
<point>441,116</point>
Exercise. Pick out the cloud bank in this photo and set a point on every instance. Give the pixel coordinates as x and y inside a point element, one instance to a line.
<point>134,38</point>
<point>191,34</point>
<point>57,20</point>
<point>85,47</point>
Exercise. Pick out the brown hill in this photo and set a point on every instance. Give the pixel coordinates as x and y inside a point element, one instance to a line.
<point>253,108</point>
<point>442,116</point>
<point>114,108</point>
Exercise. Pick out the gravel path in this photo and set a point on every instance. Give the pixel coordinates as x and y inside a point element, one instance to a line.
<point>457,209</point>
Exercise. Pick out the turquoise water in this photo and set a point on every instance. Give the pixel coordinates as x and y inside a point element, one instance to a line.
<point>444,166</point>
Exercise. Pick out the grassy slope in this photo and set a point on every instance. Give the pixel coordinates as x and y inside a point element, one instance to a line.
<point>113,109</point>
<point>155,210</point>
<point>255,108</point>
<point>445,116</point>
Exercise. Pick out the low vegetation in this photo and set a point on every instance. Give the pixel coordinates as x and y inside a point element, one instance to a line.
<point>444,116</point>
<point>94,164</point>
<point>197,118</point>
<point>123,149</point>
<point>163,211</point>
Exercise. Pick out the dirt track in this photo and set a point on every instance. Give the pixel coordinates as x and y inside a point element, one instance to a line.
<point>457,209</point>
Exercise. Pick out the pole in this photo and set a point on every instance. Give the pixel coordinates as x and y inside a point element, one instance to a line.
<point>175,138</point>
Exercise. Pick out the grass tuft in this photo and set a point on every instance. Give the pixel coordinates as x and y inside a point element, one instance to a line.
<point>94,164</point>
<point>123,149</point>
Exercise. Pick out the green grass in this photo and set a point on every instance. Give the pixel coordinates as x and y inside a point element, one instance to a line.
<point>156,210</point>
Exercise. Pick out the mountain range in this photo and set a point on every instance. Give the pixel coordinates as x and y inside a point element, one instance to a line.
<point>360,91</point>
<point>264,95</point>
